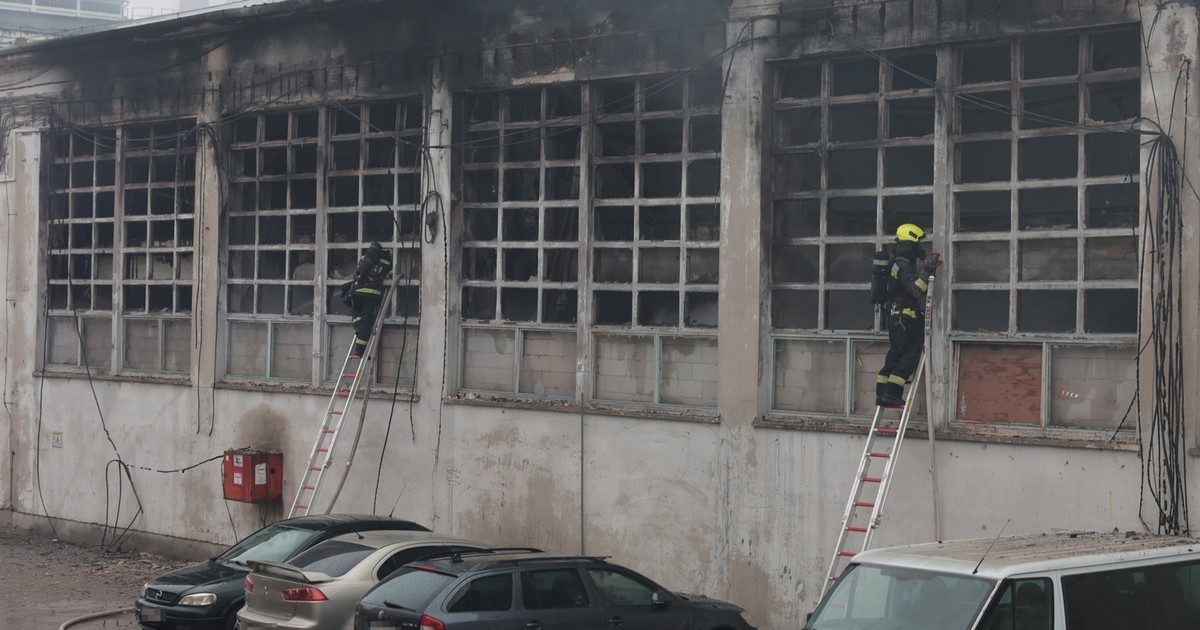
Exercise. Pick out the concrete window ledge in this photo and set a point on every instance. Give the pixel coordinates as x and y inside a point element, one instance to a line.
<point>306,389</point>
<point>156,379</point>
<point>702,416</point>
<point>1062,438</point>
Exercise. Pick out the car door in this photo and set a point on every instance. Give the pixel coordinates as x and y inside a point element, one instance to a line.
<point>1021,604</point>
<point>556,599</point>
<point>625,601</point>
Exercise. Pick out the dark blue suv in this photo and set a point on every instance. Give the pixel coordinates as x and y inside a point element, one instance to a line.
<point>495,590</point>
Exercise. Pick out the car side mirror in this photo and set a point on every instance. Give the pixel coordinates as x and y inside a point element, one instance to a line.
<point>659,599</point>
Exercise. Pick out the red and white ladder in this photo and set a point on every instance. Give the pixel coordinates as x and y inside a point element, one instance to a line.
<point>872,480</point>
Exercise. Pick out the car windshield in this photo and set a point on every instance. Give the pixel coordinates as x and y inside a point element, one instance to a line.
<point>332,557</point>
<point>890,598</point>
<point>408,588</point>
<point>276,543</point>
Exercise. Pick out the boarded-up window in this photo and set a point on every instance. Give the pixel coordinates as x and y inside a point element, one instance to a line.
<point>999,384</point>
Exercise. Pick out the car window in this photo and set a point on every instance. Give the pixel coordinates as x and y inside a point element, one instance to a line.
<point>1022,605</point>
<point>405,556</point>
<point>553,588</point>
<point>1161,596</point>
<point>617,588</point>
<point>332,557</point>
<point>490,593</point>
<point>410,588</point>
<point>275,543</point>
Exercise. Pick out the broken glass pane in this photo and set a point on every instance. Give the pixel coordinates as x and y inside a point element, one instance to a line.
<point>658,223</point>
<point>856,122</point>
<point>658,265</point>
<point>381,153</point>
<point>1050,106</point>
<point>849,310</point>
<point>562,143</point>
<point>342,263</point>
<point>378,190</point>
<point>561,224</point>
<point>799,126</point>
<point>479,303</point>
<point>1111,258</point>
<point>981,310</point>
<point>1048,158</point>
<point>1115,101</point>
<point>909,118</point>
<point>801,81</point>
<point>135,234</point>
<point>854,76</point>
<point>561,265</point>
<point>706,134</point>
<point>901,209</point>
<point>520,264</point>
<point>1111,154</point>
<point>614,181</point>
<point>704,223</point>
<point>345,158</point>
<point>343,191</point>
<point>662,179</point>
<point>797,172</point>
<point>793,309</point>
<point>1048,259</point>
<point>81,235</point>
<point>483,108</point>
<point>106,203</point>
<point>478,263</point>
<point>137,170</point>
<point>270,299</point>
<point>914,71</point>
<point>908,166</point>
<point>562,101</point>
<point>273,195</point>
<point>797,218</point>
<point>1110,310</point>
<point>662,136</point>
<point>848,262</point>
<point>614,307</point>
<point>81,174</point>
<point>524,104</point>
<point>706,88</point>
<point>981,261</point>
<point>479,186</point>
<point>306,124</point>
<point>81,205</point>
<point>617,96</point>
<point>851,216</point>
<point>853,168</point>
<point>518,305</point>
<point>481,146</point>
<point>703,266</point>
<point>343,227</point>
<point>559,306</point>
<point>614,223</point>
<point>613,265</point>
<point>136,203</point>
<point>522,145</point>
<point>1047,209</point>
<point>271,265</point>
<point>1112,205</point>
<point>382,117</point>
<point>162,233</point>
<point>1117,49</point>
<point>1045,311</point>
<point>562,183</point>
<point>795,263</point>
<point>658,308</point>
<point>662,94</point>
<point>616,138</point>
<point>520,224</point>
<point>987,161</point>
<point>58,296</point>
<point>1051,56</point>
<point>134,295</point>
<point>700,310</point>
<point>522,184</point>
<point>136,267</point>
<point>983,211</point>
<point>704,178</point>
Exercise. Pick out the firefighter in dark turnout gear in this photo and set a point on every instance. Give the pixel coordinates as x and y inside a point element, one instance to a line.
<point>366,293</point>
<point>904,313</point>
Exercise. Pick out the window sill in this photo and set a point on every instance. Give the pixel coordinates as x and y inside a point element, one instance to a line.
<point>616,410</point>
<point>128,377</point>
<point>999,434</point>
<point>277,387</point>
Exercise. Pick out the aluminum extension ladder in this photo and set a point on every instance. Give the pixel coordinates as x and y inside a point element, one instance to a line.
<point>892,438</point>
<point>346,393</point>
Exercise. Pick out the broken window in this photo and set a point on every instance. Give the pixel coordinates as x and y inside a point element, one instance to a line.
<point>153,255</point>
<point>290,251</point>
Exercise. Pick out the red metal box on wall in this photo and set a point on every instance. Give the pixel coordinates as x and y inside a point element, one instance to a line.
<point>253,476</point>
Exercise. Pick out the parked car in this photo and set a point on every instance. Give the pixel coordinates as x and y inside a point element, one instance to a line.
<point>207,596</point>
<point>1041,582</point>
<point>319,588</point>
<point>531,591</point>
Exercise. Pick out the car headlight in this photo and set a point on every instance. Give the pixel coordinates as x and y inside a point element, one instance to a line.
<point>198,599</point>
<point>748,619</point>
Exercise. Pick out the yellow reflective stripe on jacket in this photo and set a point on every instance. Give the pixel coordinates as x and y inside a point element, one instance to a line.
<point>899,380</point>
<point>909,312</point>
<point>895,272</point>
<point>920,284</point>
<point>368,290</point>
<point>879,378</point>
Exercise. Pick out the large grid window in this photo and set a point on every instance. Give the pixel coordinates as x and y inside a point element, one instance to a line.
<point>647,275</point>
<point>1042,219</point>
<point>311,189</point>
<point>120,232</point>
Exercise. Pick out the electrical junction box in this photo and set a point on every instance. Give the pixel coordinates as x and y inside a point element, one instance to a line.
<point>252,476</point>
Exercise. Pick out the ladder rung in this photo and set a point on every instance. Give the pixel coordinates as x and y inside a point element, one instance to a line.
<point>847,554</point>
<point>853,528</point>
<point>328,430</point>
<point>864,504</point>
<point>310,487</point>
<point>301,507</point>
<point>350,375</point>
<point>872,479</point>
<point>314,468</point>
<point>322,450</point>
<point>833,578</point>
<point>336,413</point>
<point>343,393</point>
<point>886,430</point>
<point>880,455</point>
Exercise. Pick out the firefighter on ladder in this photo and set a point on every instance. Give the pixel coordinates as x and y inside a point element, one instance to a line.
<point>900,289</point>
<point>365,294</point>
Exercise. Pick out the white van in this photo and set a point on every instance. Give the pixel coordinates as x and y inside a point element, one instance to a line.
<point>1082,581</point>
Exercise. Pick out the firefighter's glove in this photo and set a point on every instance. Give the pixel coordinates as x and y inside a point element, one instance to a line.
<point>932,262</point>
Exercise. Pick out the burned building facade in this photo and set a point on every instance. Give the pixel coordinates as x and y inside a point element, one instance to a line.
<point>633,244</point>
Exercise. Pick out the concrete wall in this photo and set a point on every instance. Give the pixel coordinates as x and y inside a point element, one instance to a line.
<point>728,506</point>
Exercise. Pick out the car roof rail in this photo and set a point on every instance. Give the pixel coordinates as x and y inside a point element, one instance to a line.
<point>456,555</point>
